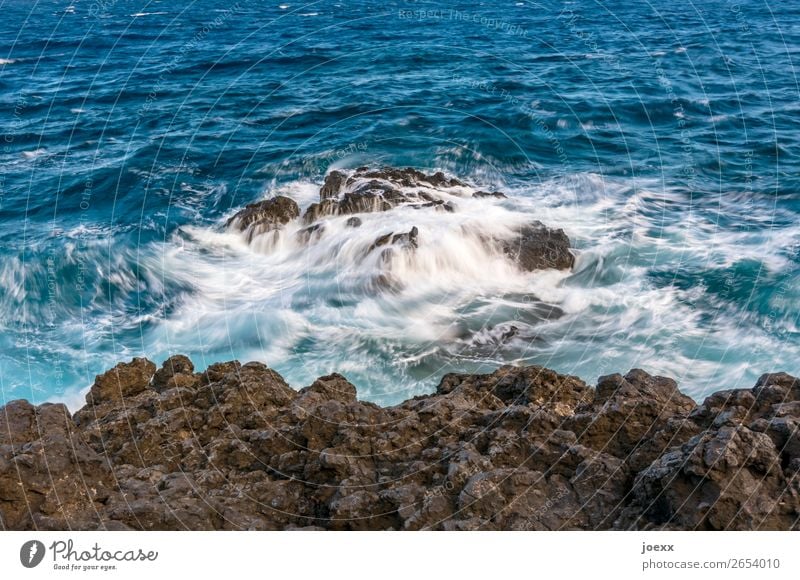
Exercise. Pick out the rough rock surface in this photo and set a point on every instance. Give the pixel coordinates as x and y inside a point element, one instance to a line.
<point>523,448</point>
<point>537,247</point>
<point>352,193</point>
<point>266,215</point>
<point>375,190</point>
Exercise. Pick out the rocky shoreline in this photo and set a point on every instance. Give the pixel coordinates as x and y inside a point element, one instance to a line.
<point>523,448</point>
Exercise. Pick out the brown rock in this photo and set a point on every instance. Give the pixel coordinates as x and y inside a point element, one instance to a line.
<point>175,371</point>
<point>334,182</point>
<point>523,448</point>
<point>124,380</point>
<point>537,247</point>
<point>264,216</point>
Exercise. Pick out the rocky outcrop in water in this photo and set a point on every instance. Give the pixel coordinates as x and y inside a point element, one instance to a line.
<point>376,190</point>
<point>533,246</point>
<point>523,448</point>
<point>265,216</point>
<point>537,247</point>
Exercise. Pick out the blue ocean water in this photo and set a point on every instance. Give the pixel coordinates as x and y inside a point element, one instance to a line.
<point>663,137</point>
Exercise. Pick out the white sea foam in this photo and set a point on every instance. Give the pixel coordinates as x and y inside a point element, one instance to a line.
<point>454,303</point>
<point>277,292</point>
<point>34,153</point>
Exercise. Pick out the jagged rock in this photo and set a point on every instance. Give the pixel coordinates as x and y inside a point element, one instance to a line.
<point>311,232</point>
<point>533,385</point>
<point>264,216</point>
<point>331,388</point>
<point>738,472</point>
<point>333,184</point>
<point>628,413</point>
<point>49,477</point>
<point>537,247</point>
<point>350,193</point>
<point>378,190</point>
<point>176,371</point>
<point>124,380</point>
<point>317,211</point>
<point>364,201</point>
<point>522,448</point>
<point>407,239</point>
<point>407,177</point>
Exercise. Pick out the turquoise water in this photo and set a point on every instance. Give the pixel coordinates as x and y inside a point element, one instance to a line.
<point>663,137</point>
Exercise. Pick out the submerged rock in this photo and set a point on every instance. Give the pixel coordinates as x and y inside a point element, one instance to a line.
<point>389,244</point>
<point>495,194</point>
<point>311,233</point>
<point>407,239</point>
<point>523,448</point>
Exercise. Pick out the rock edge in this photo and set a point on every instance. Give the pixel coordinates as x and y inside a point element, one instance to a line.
<point>522,448</point>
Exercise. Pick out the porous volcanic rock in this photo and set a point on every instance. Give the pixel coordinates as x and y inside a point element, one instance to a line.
<point>523,448</point>
<point>267,215</point>
<point>538,247</point>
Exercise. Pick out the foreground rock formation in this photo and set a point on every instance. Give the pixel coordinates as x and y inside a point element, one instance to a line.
<point>235,447</point>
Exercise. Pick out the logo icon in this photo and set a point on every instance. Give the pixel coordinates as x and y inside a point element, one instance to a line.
<point>31,553</point>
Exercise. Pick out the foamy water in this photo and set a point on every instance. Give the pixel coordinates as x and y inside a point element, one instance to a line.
<point>132,134</point>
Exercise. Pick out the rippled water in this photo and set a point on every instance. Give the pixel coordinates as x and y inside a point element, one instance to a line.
<point>662,138</point>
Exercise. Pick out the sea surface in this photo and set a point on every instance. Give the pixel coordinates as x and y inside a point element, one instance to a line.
<point>664,138</point>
